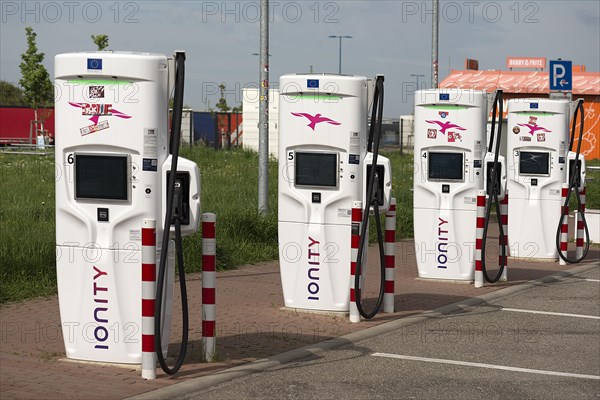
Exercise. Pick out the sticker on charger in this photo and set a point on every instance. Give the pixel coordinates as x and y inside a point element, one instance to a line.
<point>135,234</point>
<point>354,159</point>
<point>554,192</point>
<point>344,212</point>
<point>354,142</point>
<point>150,143</point>
<point>150,164</point>
<point>470,200</point>
<point>94,63</point>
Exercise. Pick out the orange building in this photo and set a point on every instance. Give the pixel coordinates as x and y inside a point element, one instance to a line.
<point>522,84</point>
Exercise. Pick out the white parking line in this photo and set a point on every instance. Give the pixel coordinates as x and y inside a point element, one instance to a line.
<point>550,313</point>
<point>592,280</point>
<point>489,366</point>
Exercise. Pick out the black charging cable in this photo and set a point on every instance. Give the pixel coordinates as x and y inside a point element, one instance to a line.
<point>492,193</point>
<point>173,216</point>
<point>373,197</point>
<point>574,181</point>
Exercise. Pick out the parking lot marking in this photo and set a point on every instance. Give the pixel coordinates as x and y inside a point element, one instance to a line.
<point>592,280</point>
<point>550,313</point>
<point>488,366</point>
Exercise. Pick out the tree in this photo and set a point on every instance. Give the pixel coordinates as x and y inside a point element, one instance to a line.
<point>101,41</point>
<point>35,81</point>
<point>222,103</point>
<point>10,95</point>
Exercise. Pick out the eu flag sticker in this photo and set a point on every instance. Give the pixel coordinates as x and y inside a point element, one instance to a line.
<point>444,96</point>
<point>534,105</point>
<point>94,63</point>
<point>312,83</point>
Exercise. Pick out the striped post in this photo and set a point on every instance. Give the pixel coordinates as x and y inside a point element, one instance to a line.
<point>357,214</point>
<point>209,251</point>
<point>479,224</point>
<point>580,231</point>
<point>390,257</point>
<point>504,221</point>
<point>564,223</point>
<point>148,297</point>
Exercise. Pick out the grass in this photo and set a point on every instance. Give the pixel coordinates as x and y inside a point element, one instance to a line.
<point>27,248</point>
<point>592,190</point>
<point>229,189</point>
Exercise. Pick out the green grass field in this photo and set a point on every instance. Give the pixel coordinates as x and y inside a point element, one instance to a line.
<point>229,189</point>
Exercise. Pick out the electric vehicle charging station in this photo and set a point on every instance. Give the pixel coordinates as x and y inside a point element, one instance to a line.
<point>451,165</point>
<point>323,164</point>
<point>113,163</point>
<point>538,141</point>
<point>540,162</point>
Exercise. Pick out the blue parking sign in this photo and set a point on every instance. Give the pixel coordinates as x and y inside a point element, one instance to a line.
<point>561,75</point>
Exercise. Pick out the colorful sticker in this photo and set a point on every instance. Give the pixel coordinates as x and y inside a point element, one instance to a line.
<point>96,92</point>
<point>454,137</point>
<point>443,114</point>
<point>94,118</point>
<point>432,133</point>
<point>516,130</point>
<point>96,109</point>
<point>86,130</point>
<point>541,137</point>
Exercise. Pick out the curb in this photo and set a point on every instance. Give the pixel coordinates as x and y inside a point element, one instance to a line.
<point>187,389</point>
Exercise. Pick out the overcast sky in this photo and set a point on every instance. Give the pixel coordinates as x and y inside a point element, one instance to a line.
<point>389,37</point>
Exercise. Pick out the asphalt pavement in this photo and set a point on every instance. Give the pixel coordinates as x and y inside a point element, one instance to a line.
<point>255,333</point>
<point>535,340</point>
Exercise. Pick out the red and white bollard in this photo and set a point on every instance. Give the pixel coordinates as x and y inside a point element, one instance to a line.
<point>356,222</point>
<point>479,224</point>
<point>504,220</point>
<point>209,251</point>
<point>148,298</point>
<point>564,224</point>
<point>580,231</point>
<point>390,257</point>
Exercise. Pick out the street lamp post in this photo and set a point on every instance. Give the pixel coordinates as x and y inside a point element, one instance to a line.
<point>340,37</point>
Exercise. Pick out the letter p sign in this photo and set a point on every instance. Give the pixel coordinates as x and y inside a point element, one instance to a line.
<point>561,75</point>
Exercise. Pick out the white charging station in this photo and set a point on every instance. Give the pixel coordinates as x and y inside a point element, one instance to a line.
<point>112,162</point>
<point>538,156</point>
<point>450,154</point>
<point>323,163</point>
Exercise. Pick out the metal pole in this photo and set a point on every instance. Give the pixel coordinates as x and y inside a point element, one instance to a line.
<point>263,117</point>
<point>340,63</point>
<point>340,37</point>
<point>434,44</point>
<point>401,129</point>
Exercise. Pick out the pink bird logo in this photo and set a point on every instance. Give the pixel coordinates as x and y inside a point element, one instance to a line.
<point>446,125</point>
<point>316,119</point>
<point>533,128</point>
<point>95,117</point>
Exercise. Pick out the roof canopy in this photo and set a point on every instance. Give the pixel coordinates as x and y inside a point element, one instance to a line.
<point>525,82</point>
